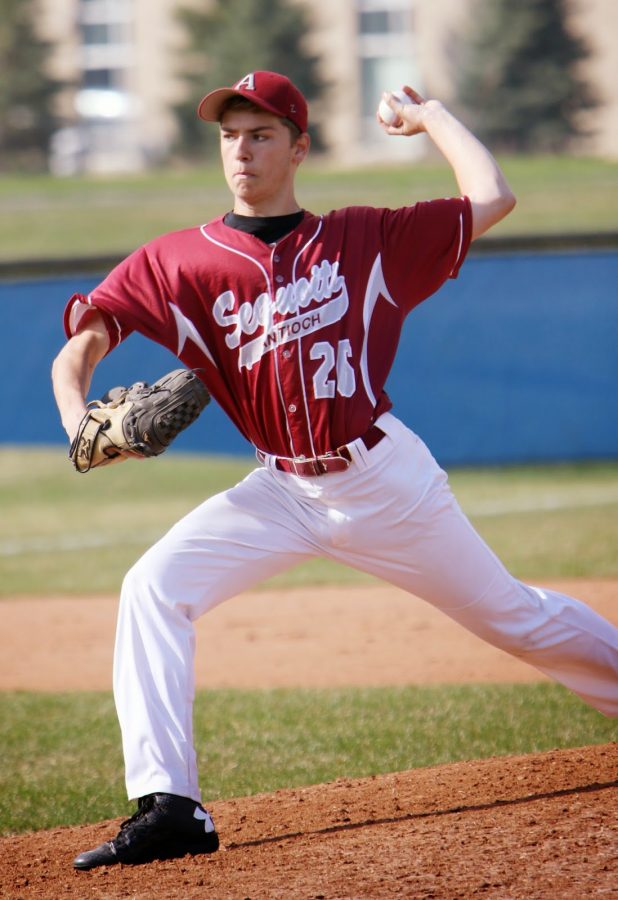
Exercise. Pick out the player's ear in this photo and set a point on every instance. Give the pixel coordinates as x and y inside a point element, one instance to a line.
<point>301,148</point>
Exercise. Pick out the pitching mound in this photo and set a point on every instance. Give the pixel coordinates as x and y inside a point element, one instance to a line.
<point>541,826</point>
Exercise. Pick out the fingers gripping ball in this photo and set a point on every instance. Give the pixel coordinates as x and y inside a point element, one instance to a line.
<point>141,420</point>
<point>388,115</point>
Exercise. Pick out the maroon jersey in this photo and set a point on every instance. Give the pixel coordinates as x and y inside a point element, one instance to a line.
<point>295,340</point>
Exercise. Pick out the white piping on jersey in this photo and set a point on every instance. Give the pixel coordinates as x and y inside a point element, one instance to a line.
<point>376,286</point>
<point>186,329</point>
<point>78,311</point>
<point>304,247</point>
<point>244,255</point>
<point>460,242</point>
<point>300,356</point>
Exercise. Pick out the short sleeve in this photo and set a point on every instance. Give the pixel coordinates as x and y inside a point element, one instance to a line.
<point>133,297</point>
<point>424,245</point>
<point>76,315</point>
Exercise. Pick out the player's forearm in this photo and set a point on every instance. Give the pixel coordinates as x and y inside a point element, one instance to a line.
<point>71,376</point>
<point>478,175</point>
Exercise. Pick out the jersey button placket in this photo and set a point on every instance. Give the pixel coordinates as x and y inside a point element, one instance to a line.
<point>286,364</point>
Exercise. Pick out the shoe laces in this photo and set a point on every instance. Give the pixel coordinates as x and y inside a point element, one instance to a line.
<point>144,805</point>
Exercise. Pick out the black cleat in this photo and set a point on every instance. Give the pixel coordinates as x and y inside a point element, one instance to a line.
<point>164,827</point>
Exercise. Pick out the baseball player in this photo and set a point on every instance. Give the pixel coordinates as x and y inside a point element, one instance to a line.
<point>294,319</point>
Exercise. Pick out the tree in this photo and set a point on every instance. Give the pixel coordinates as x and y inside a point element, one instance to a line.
<point>518,80</point>
<point>231,38</point>
<point>27,92</point>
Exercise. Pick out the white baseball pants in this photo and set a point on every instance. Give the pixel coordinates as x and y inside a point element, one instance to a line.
<point>391,514</point>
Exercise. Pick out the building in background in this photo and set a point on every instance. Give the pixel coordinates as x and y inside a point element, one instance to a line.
<point>121,57</point>
<point>366,47</point>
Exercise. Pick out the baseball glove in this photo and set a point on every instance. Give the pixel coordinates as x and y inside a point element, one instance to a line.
<point>139,421</point>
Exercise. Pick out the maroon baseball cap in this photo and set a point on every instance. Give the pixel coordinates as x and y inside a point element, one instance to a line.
<point>273,92</point>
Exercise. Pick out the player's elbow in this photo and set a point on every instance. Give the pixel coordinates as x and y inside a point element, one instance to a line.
<point>509,201</point>
<point>503,205</point>
<point>488,212</point>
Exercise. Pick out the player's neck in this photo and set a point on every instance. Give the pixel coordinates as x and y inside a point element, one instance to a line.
<point>271,207</point>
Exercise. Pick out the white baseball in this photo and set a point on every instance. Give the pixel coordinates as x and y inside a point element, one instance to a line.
<point>388,116</point>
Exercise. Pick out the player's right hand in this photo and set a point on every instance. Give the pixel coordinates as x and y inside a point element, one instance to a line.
<point>410,116</point>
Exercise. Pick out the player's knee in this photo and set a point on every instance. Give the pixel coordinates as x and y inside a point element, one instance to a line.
<point>147,582</point>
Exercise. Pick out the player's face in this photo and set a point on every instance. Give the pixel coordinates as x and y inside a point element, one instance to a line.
<point>260,162</point>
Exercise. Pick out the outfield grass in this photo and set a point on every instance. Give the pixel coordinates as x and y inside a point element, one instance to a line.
<point>62,765</point>
<point>43,217</point>
<point>63,533</point>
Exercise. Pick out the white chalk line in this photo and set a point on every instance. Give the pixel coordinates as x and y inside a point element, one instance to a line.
<point>482,509</point>
<point>540,504</point>
<point>67,543</point>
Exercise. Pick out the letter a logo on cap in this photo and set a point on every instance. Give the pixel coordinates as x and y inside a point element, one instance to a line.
<point>271,91</point>
<point>248,82</point>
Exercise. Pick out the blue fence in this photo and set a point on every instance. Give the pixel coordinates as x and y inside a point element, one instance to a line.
<point>516,360</point>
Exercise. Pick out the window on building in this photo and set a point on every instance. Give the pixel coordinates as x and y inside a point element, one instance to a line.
<point>106,45</point>
<point>99,78</point>
<point>104,33</point>
<point>383,21</point>
<point>379,74</point>
<point>95,34</point>
<point>386,56</point>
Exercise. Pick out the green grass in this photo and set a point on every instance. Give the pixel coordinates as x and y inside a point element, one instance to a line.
<point>61,761</point>
<point>43,217</point>
<point>63,533</point>
<point>563,520</point>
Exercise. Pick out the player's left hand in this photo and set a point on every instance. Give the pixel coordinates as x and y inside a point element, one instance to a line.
<point>140,421</point>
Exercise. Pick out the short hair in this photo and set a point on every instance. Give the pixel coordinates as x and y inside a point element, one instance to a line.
<point>243,103</point>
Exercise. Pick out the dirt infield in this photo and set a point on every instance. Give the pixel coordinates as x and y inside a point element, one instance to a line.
<point>539,826</point>
<point>310,637</point>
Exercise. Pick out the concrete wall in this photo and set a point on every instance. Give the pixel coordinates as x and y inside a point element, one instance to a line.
<point>516,360</point>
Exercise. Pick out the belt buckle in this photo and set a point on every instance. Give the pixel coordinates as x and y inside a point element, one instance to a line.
<point>319,465</point>
<point>304,467</point>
